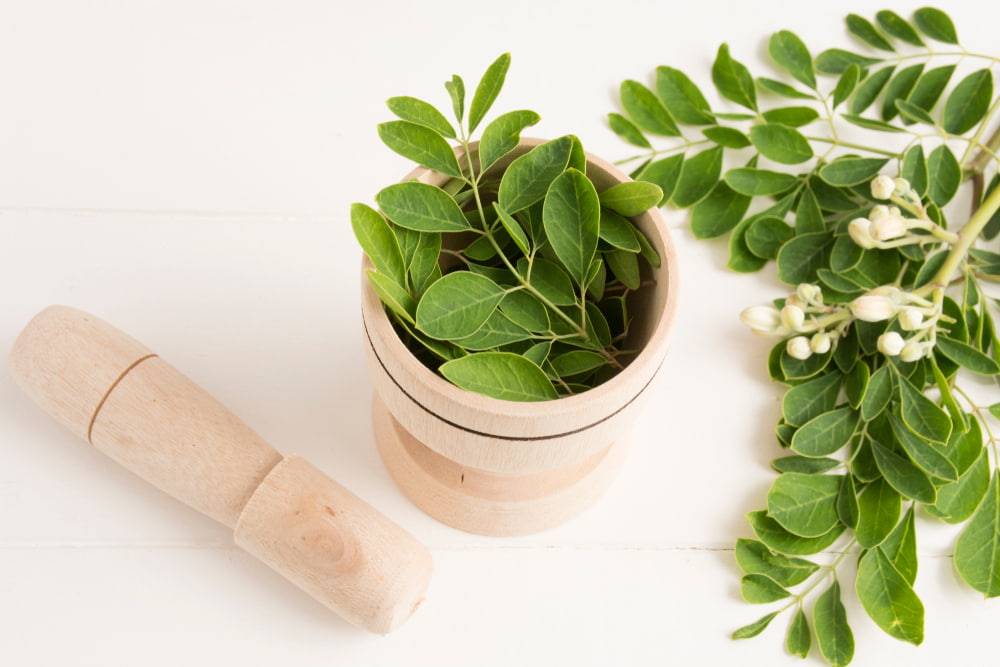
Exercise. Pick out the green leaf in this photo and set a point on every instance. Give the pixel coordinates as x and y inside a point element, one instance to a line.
<point>804,505</point>
<point>935,24</point>
<point>968,102</point>
<point>417,111</point>
<point>719,212</point>
<point>726,136</point>
<point>753,182</point>
<point>833,634</point>
<point>572,219</point>
<point>791,116</point>
<point>627,130</point>
<point>777,538</point>
<point>577,362</point>
<point>888,598</point>
<point>878,513</point>
<point>808,215</point>
<point>811,399</point>
<point>799,258</point>
<point>783,89</point>
<point>957,501</point>
<point>901,547</point>
<point>549,279</point>
<point>856,384</point>
<point>513,228</point>
<point>791,53</point>
<point>682,98</point>
<point>395,297</point>
<point>825,434</point>
<point>631,198</point>
<point>899,88</point>
<point>796,369</point>
<point>977,552</point>
<point>502,135</point>
<point>871,123</point>
<point>741,258</point>
<point>967,356</point>
<point>758,589</point>
<point>799,638</point>
<point>930,86</point>
<point>835,61</point>
<point>618,232</point>
<point>863,29</point>
<point>487,90</point>
<point>850,171</point>
<point>846,84</point>
<point>421,144</point>
<point>780,143</point>
<point>870,89</point>
<point>497,331</point>
<point>503,375</point>
<point>898,27</point>
<point>625,266</point>
<point>378,242</point>
<point>903,476</point>
<point>847,502</point>
<point>665,173</point>
<point>646,110</point>
<point>733,79</point>
<point>528,178</point>
<point>804,464</point>
<point>525,310</point>
<point>421,207</point>
<point>755,628</point>
<point>698,175</point>
<point>424,268</point>
<point>922,415</point>
<point>914,169</point>
<point>766,235</point>
<point>456,90</point>
<point>922,452</point>
<point>457,305</point>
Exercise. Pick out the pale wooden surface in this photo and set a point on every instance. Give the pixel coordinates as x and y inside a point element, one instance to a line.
<point>184,170</point>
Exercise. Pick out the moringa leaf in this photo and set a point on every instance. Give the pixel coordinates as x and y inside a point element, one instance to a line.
<point>835,61</point>
<point>726,136</point>
<point>457,305</point>
<point>393,295</point>
<point>788,50</point>
<point>777,538</point>
<point>863,29</point>
<point>869,89</point>
<point>456,90</point>
<point>783,89</point>
<point>766,235</point>
<point>935,24</point>
<point>798,641</point>
<point>422,113</point>
<point>698,175</point>
<point>719,212</point>
<point>799,258</point>
<point>619,232</point>
<point>780,143</point>
<point>903,476</point>
<point>646,110</point>
<point>968,102</point>
<point>758,589</point>
<point>825,434</point>
<point>888,598</point>
<point>922,415</point>
<point>901,547</point>
<point>878,513</point>
<point>665,173</point>
<point>421,207</point>
<point>752,181</point>
<point>627,130</point>
<point>631,198</point>
<point>378,242</point>
<point>967,356</point>
<point>833,633</point>
<point>528,178</point>
<point>733,79</point>
<point>755,628</point>
<point>899,89</point>
<point>422,145</point>
<point>487,90</point>
<point>804,505</point>
<point>549,280</point>
<point>513,228</point>
<point>791,116</point>
<point>914,169</point>
<point>502,135</point>
<point>754,557</point>
<point>849,171</point>
<point>682,98</point>
<point>811,399</point>
<point>572,220</point>
<point>502,375</point>
<point>977,552</point>
<point>846,84</point>
<point>898,27</point>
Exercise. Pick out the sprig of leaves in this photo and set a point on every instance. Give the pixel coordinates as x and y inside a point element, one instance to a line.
<point>513,277</point>
<point>785,167</point>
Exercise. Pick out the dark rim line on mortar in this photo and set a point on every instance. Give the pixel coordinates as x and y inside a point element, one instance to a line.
<point>494,435</point>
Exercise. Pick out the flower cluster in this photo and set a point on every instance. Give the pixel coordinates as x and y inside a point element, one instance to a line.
<point>813,327</point>
<point>887,227</point>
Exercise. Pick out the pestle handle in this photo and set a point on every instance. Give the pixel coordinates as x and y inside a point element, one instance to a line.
<point>115,393</point>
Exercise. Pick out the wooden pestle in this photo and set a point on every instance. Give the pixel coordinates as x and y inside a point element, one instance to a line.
<point>113,392</point>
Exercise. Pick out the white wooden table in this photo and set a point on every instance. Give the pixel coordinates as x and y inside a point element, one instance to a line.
<point>184,170</point>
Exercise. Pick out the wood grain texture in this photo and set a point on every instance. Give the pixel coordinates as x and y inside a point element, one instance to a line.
<point>145,414</point>
<point>513,438</point>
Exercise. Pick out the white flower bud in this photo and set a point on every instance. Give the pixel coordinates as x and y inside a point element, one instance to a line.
<point>873,308</point>
<point>891,291</point>
<point>882,187</point>
<point>890,343</point>
<point>820,343</point>
<point>910,318</point>
<point>860,231</point>
<point>762,319</point>
<point>888,227</point>
<point>901,186</point>
<point>912,351</point>
<point>798,347</point>
<point>878,211</point>
<point>793,317</point>
<point>794,300</point>
<point>806,292</point>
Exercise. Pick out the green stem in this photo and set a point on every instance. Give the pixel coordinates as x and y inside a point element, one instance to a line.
<point>974,141</point>
<point>849,144</point>
<point>966,237</point>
